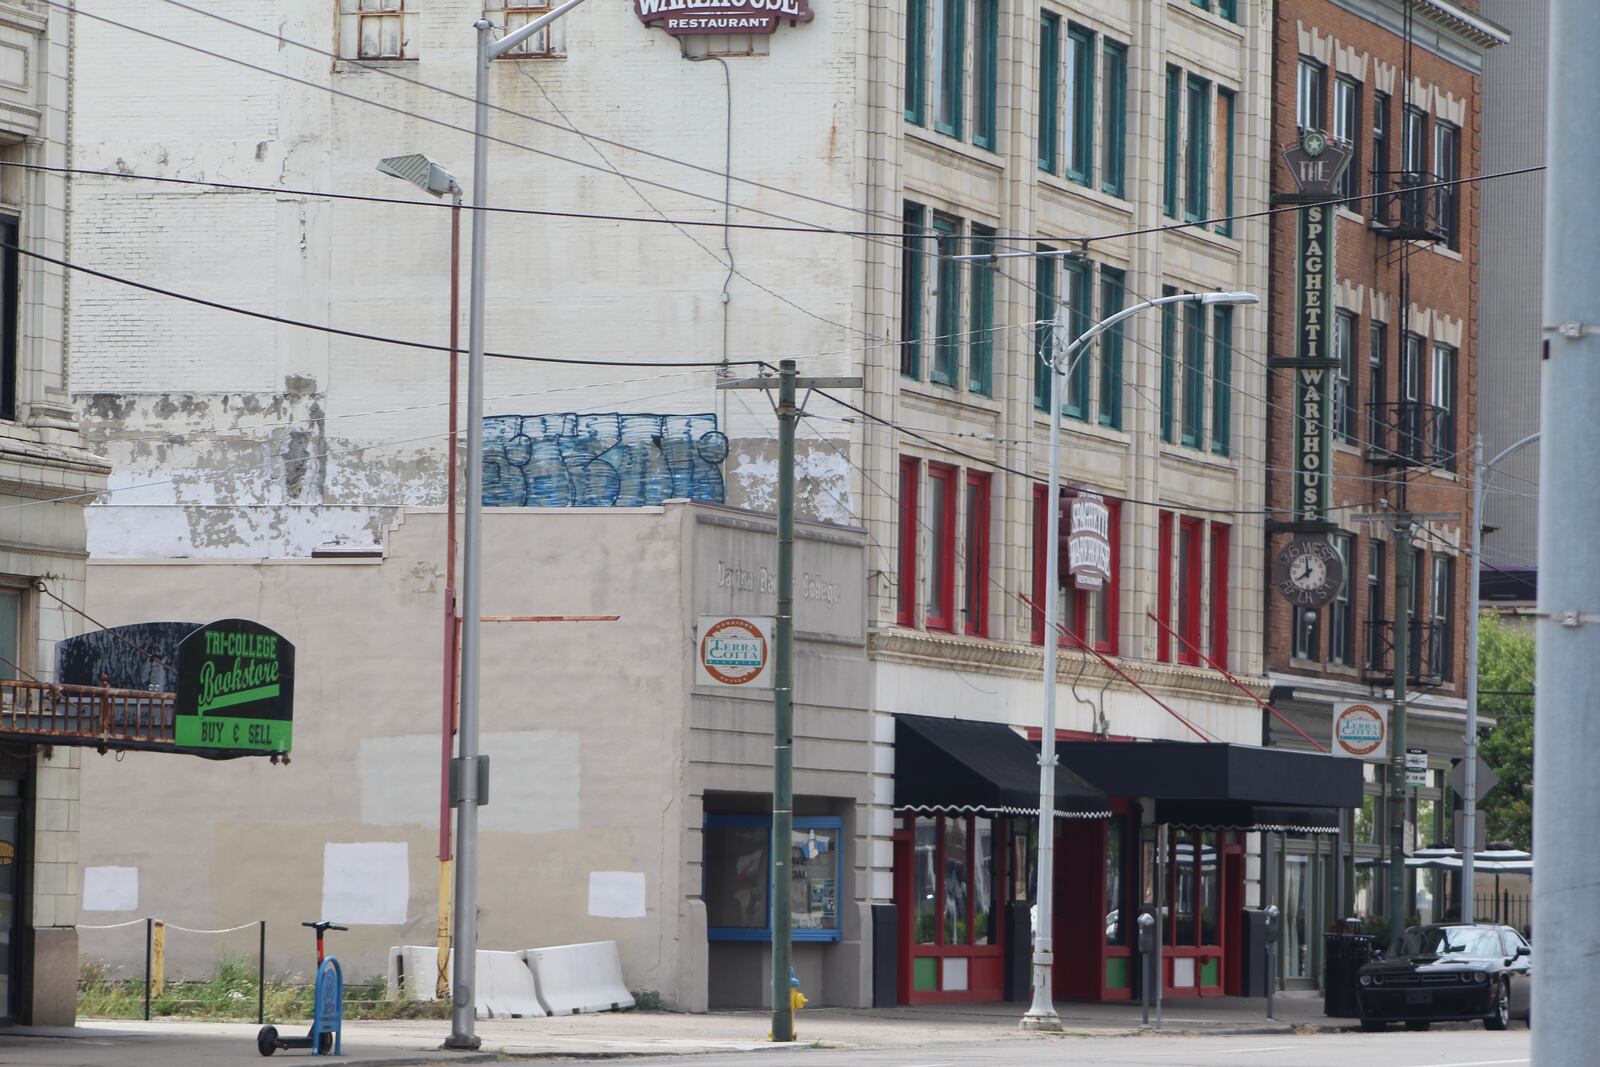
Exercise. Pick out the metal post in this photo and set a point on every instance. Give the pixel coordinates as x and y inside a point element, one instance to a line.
<point>1566,1028</point>
<point>447,726</point>
<point>783,712</point>
<point>1397,729</point>
<point>463,1018</point>
<point>149,954</point>
<point>261,973</point>
<point>1160,978</point>
<point>1041,1014</point>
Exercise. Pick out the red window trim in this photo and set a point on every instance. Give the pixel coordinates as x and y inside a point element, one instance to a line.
<point>1164,585</point>
<point>906,604</point>
<point>1190,653</point>
<point>1041,495</point>
<point>942,547</point>
<point>1221,534</point>
<point>977,592</point>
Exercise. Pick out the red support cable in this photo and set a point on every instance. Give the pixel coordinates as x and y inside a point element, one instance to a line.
<point>1236,683</point>
<point>1119,672</point>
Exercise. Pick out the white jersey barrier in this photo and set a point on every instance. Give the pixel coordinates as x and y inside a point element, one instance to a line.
<point>560,980</point>
<point>578,978</point>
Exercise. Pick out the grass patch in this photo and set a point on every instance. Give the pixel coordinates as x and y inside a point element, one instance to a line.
<point>231,996</point>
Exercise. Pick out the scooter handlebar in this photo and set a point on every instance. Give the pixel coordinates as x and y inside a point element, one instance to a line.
<point>321,926</point>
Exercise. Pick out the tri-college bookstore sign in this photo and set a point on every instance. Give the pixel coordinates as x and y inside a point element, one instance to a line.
<point>680,17</point>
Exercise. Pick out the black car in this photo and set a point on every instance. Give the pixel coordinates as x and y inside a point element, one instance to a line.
<point>1449,973</point>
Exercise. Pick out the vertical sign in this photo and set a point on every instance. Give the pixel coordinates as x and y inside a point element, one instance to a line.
<point>1089,540</point>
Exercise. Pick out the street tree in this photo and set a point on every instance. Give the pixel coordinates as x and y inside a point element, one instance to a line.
<point>1505,694</point>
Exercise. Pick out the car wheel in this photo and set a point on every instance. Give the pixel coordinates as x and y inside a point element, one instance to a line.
<point>1418,1024</point>
<point>1500,1018</point>
<point>1374,1026</point>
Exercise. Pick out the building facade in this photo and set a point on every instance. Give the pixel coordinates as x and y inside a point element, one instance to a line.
<point>1118,145</point>
<point>1400,86</point>
<point>47,477</point>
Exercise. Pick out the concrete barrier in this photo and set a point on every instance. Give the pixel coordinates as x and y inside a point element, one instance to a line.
<point>506,988</point>
<point>579,978</point>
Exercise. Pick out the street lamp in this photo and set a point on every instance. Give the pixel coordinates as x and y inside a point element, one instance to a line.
<point>463,1018</point>
<point>1469,805</point>
<point>1041,1014</point>
<point>431,178</point>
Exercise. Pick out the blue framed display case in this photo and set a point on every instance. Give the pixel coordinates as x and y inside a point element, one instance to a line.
<point>737,877</point>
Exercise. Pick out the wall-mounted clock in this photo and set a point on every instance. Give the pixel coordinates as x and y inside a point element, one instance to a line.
<point>1308,572</point>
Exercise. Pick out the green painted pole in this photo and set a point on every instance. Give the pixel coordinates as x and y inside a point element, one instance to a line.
<point>1397,730</point>
<point>783,712</point>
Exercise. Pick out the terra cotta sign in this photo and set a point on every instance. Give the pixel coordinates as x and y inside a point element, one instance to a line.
<point>680,17</point>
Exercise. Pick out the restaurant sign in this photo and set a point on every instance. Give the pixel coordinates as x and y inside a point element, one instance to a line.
<point>681,17</point>
<point>1089,541</point>
<point>1361,730</point>
<point>235,689</point>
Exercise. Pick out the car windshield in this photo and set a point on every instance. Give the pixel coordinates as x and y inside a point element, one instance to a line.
<point>1450,940</point>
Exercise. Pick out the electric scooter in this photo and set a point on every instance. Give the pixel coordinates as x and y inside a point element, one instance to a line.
<point>327,1020</point>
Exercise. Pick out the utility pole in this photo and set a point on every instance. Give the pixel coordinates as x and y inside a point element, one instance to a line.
<point>788,382</point>
<point>1567,674</point>
<point>1397,727</point>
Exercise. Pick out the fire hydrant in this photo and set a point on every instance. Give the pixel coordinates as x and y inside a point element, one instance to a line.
<point>797,1000</point>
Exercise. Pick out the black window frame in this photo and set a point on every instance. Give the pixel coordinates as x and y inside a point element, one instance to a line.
<point>10,299</point>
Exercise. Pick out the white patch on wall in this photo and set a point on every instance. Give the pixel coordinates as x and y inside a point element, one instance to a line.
<point>365,883</point>
<point>110,889</point>
<point>533,782</point>
<point>616,894</point>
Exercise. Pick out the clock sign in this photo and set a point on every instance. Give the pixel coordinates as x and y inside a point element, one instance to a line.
<point>1308,572</point>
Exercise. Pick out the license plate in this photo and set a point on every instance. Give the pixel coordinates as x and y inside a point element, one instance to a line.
<point>1419,996</point>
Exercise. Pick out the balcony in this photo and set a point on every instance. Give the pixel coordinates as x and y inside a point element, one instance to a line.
<point>1409,433</point>
<point>1428,657</point>
<point>83,715</point>
<point>1411,210</point>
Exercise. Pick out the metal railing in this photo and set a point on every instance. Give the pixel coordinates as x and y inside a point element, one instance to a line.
<point>1413,206</point>
<point>1503,907</point>
<point>1409,433</point>
<point>85,714</point>
<point>1427,658</point>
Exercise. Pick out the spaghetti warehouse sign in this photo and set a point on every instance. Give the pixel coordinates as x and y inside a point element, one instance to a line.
<point>687,17</point>
<point>1089,542</point>
<point>1316,165</point>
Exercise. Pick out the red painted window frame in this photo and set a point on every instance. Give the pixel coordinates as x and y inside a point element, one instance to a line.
<point>1164,586</point>
<point>976,602</point>
<point>1221,537</point>
<point>942,546</point>
<point>1195,580</point>
<point>906,602</point>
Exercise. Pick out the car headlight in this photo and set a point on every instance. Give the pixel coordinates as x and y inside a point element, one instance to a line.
<point>1366,979</point>
<point>1466,976</point>
<point>1377,979</point>
<point>1483,976</point>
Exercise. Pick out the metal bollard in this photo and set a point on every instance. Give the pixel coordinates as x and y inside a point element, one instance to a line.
<point>1147,948</point>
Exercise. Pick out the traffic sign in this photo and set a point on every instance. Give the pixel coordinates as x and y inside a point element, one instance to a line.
<point>1458,779</point>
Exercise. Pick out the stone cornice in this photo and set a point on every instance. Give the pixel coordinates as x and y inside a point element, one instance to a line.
<point>944,651</point>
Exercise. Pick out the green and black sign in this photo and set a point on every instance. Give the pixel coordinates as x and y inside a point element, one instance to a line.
<point>235,688</point>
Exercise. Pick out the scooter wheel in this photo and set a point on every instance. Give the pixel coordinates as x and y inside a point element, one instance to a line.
<point>326,1042</point>
<point>267,1040</point>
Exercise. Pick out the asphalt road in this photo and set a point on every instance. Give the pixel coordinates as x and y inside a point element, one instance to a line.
<point>1438,1048</point>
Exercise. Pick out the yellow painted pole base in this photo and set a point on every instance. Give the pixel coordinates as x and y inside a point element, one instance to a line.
<point>441,987</point>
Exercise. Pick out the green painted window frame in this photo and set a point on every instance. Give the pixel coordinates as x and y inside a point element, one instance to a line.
<point>1169,359</point>
<point>1169,165</point>
<point>985,79</point>
<point>911,230</point>
<point>1227,98</point>
<point>1228,9</point>
<point>946,367</point>
<point>1221,380</point>
<point>916,61</point>
<point>980,327</point>
<point>1044,311</point>
<point>1114,117</point>
<point>1080,104</point>
<point>1197,155</point>
<point>1193,430</point>
<point>951,76</point>
<point>1113,293</point>
<point>1049,90</point>
<point>1077,284</point>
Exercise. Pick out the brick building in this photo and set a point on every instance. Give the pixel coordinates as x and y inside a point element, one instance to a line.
<point>1398,82</point>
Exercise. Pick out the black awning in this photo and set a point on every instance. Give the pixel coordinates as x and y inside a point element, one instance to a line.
<point>1209,784</point>
<point>961,765</point>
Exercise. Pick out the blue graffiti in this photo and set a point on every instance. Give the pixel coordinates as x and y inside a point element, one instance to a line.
<point>624,461</point>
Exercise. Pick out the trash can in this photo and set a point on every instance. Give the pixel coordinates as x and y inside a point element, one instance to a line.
<point>1343,955</point>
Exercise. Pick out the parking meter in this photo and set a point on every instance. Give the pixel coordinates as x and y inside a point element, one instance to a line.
<point>1147,948</point>
<point>1270,936</point>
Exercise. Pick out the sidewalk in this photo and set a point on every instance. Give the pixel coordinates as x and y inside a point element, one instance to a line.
<point>391,1044</point>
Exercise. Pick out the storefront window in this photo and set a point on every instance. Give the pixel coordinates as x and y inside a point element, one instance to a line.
<point>1363,892</point>
<point>1423,910</point>
<point>738,876</point>
<point>1296,916</point>
<point>1183,889</point>
<point>955,880</point>
<point>983,910</point>
<point>1425,823</point>
<point>10,636</point>
<point>1366,821</point>
<point>1210,889</point>
<point>1116,928</point>
<point>1023,867</point>
<point>927,859</point>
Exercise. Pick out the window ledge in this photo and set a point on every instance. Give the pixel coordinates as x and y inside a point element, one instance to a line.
<point>943,142</point>
<point>1200,457</point>
<point>1210,18</point>
<point>1448,476</point>
<point>1205,235</point>
<point>951,396</point>
<point>1342,212</point>
<point>1347,448</point>
<point>1068,187</point>
<point>1442,249</point>
<point>346,65</point>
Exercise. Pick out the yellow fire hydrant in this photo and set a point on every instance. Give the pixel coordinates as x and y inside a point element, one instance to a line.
<point>797,1000</point>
